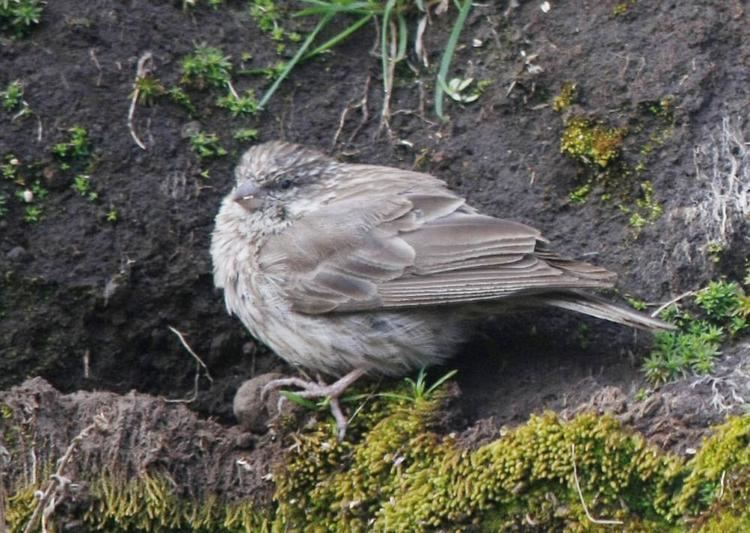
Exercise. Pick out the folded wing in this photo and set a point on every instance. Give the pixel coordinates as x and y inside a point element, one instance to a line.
<point>390,250</point>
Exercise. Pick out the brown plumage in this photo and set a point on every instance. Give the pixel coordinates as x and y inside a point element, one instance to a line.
<point>339,267</point>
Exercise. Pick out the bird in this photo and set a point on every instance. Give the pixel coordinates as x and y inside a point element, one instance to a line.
<point>353,269</point>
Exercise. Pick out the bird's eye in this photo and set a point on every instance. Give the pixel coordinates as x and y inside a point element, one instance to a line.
<point>286,184</point>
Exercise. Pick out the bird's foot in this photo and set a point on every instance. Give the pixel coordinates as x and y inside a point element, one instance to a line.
<point>320,390</point>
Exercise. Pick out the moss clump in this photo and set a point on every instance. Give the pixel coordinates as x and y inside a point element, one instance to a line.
<point>400,476</point>
<point>566,97</point>
<point>724,456</point>
<point>148,503</point>
<point>591,142</point>
<point>393,473</point>
<point>647,209</point>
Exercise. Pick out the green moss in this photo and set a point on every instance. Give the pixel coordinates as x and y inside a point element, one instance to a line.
<point>566,97</point>
<point>394,473</point>
<point>591,142</point>
<point>727,452</point>
<point>401,476</point>
<point>148,503</point>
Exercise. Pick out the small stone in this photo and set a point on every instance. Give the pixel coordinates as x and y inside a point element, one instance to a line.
<point>253,412</point>
<point>18,254</point>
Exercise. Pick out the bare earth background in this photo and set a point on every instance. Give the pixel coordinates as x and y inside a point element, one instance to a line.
<point>86,303</point>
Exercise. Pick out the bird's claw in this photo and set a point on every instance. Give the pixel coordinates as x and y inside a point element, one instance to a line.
<point>320,390</point>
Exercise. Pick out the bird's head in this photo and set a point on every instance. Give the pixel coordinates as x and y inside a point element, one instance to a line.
<point>283,179</point>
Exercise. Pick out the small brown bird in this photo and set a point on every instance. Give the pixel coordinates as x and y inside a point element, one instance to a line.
<point>350,269</point>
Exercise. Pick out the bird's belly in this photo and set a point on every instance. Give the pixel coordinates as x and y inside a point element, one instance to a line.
<point>390,343</point>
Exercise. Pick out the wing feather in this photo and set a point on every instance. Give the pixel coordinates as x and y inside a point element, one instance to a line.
<point>391,248</point>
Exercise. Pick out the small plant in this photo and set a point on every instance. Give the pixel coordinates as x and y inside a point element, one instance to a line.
<point>239,105</point>
<point>566,97</point>
<point>457,90</point>
<point>112,215</point>
<point>581,194</point>
<point>206,67</point>
<point>33,214</point>
<point>636,303</point>
<point>38,190</point>
<point>82,185</point>
<point>418,390</point>
<point>694,348</point>
<point>620,9</point>
<point>19,16</point>
<point>206,145</point>
<point>677,353</point>
<point>721,300</point>
<point>77,147</point>
<point>12,96</point>
<point>3,204</point>
<point>647,210</point>
<point>246,134</point>
<point>267,16</point>
<point>9,169</point>
<point>149,88</point>
<point>180,97</point>
<point>215,4</point>
<point>642,394</point>
<point>715,250</point>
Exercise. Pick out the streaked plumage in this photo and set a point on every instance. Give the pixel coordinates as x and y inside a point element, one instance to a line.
<point>340,266</point>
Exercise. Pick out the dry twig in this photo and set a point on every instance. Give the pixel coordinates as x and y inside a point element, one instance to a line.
<point>580,495</point>
<point>198,364</point>
<point>58,484</point>
<point>145,65</point>
<point>670,302</point>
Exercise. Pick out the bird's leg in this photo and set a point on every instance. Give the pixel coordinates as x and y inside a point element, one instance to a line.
<point>319,389</point>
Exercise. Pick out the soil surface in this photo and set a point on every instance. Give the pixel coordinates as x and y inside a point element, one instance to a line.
<point>87,296</point>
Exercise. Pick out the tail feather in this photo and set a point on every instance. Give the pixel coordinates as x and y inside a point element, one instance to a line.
<point>598,307</point>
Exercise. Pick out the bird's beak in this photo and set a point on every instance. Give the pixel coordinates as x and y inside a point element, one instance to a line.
<point>248,195</point>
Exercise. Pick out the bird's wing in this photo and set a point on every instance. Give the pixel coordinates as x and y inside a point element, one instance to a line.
<point>412,249</point>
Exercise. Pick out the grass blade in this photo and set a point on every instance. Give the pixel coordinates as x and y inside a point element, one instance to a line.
<point>333,41</point>
<point>295,60</point>
<point>445,62</point>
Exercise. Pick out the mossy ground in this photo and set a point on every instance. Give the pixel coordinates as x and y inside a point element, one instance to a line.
<point>397,471</point>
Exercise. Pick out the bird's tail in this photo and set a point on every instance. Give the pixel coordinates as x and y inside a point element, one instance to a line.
<point>593,305</point>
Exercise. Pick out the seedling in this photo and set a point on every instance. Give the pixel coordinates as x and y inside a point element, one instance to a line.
<point>206,67</point>
<point>9,169</point>
<point>246,134</point>
<point>239,105</point>
<point>112,215</point>
<point>33,214</point>
<point>149,88</point>
<point>77,147</point>
<point>418,390</point>
<point>82,185</point>
<point>19,16</point>
<point>12,96</point>
<point>3,204</point>
<point>581,194</point>
<point>180,97</point>
<point>38,190</point>
<point>636,303</point>
<point>206,145</point>
<point>457,90</point>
